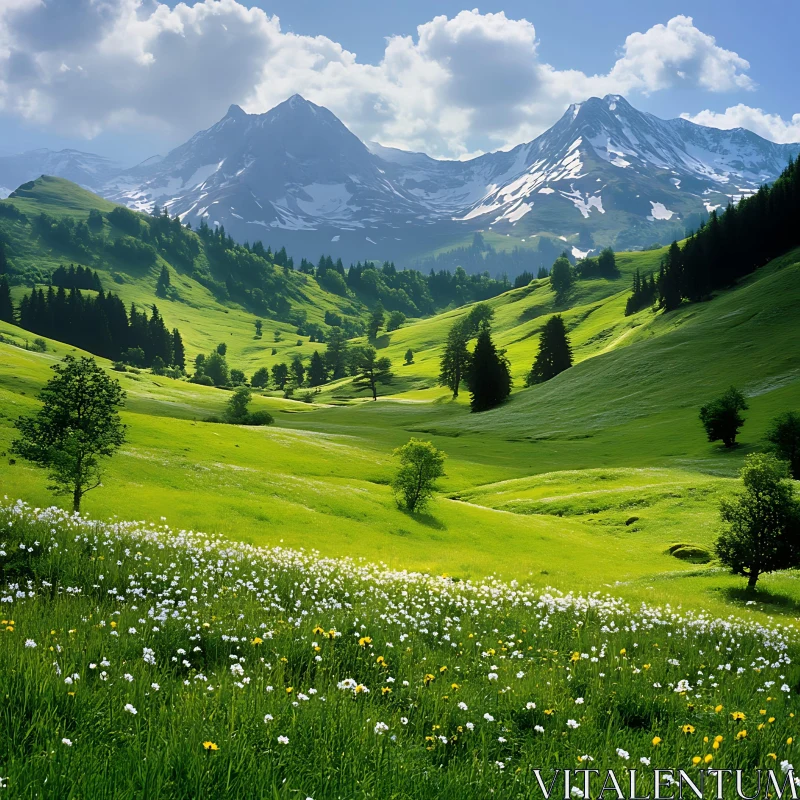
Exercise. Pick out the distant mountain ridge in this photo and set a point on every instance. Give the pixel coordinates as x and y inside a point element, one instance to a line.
<point>604,174</point>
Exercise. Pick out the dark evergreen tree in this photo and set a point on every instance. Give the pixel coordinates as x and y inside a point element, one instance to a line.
<point>409,356</point>
<point>555,354</point>
<point>6,306</point>
<point>455,359</point>
<point>163,283</point>
<point>561,277</point>
<point>336,354</point>
<point>317,373</point>
<point>376,321</point>
<point>178,352</point>
<point>489,375</point>
<point>280,375</point>
<point>298,370</point>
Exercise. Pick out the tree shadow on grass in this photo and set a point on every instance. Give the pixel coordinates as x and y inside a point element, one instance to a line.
<point>765,600</point>
<point>426,519</point>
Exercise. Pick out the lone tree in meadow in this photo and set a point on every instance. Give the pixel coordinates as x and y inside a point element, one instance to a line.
<point>455,358</point>
<point>77,426</point>
<point>722,417</point>
<point>561,277</point>
<point>259,324</point>
<point>236,407</point>
<point>762,523</point>
<point>489,376</point>
<point>409,356</point>
<point>421,464</point>
<point>369,370</point>
<point>555,354</point>
<point>784,436</point>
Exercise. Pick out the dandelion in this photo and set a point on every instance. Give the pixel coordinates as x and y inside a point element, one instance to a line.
<point>687,729</point>
<point>130,709</point>
<point>210,746</point>
<point>696,760</point>
<point>708,759</point>
<point>718,708</point>
<point>738,716</point>
<point>742,734</point>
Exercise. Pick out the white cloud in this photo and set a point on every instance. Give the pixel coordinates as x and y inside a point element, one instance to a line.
<point>770,126</point>
<point>461,84</point>
<point>676,53</point>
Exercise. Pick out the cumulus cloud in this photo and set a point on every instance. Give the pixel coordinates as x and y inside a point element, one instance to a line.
<point>770,126</point>
<point>465,83</point>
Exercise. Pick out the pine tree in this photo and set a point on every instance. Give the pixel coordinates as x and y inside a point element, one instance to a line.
<point>178,351</point>
<point>298,370</point>
<point>455,359</point>
<point>163,283</point>
<point>317,374</point>
<point>336,353</point>
<point>555,354</point>
<point>489,376</point>
<point>6,306</point>
<point>376,321</point>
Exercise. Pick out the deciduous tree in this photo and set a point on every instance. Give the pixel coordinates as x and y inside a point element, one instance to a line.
<point>77,426</point>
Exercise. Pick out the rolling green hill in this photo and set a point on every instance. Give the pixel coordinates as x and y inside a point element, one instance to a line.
<point>588,481</point>
<point>202,308</point>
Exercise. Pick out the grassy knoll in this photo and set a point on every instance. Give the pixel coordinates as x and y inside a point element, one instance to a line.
<point>139,660</point>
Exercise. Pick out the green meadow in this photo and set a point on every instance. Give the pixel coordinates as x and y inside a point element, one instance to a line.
<point>544,489</point>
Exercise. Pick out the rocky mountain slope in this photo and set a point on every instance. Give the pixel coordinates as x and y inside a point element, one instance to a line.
<point>604,174</point>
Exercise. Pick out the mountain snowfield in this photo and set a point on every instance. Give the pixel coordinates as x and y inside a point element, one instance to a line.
<point>604,174</point>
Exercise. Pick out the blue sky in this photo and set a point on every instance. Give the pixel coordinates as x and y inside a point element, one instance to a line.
<point>133,77</point>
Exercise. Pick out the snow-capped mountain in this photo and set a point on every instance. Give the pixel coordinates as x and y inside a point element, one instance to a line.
<point>604,174</point>
<point>296,168</point>
<point>606,158</point>
<point>87,169</point>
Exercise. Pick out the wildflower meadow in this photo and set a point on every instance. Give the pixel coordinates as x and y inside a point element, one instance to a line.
<point>137,660</point>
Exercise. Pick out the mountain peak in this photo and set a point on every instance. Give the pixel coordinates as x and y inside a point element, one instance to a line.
<point>235,112</point>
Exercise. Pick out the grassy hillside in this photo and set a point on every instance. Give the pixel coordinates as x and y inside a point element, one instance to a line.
<point>539,490</point>
<point>589,481</point>
<point>204,316</point>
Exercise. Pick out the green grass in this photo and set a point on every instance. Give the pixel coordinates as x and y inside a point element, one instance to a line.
<point>538,490</point>
<point>146,661</point>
